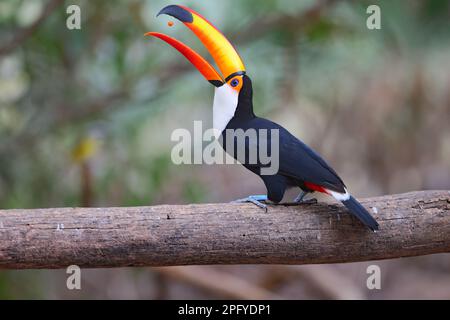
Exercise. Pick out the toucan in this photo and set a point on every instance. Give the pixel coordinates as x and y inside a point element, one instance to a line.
<point>299,165</point>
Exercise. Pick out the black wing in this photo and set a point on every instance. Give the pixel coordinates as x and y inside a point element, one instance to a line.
<point>299,161</point>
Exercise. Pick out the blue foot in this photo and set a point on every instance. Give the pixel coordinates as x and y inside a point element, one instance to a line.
<point>255,199</point>
<point>300,199</point>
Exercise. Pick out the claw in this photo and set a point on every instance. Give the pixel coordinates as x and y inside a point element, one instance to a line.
<point>255,199</point>
<point>309,201</point>
<point>291,204</point>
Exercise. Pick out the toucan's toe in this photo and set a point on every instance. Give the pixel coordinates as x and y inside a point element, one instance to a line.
<point>255,199</point>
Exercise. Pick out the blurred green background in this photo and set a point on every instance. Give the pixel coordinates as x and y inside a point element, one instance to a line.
<point>86,117</point>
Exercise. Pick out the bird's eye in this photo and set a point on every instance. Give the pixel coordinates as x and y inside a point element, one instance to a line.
<point>234,82</point>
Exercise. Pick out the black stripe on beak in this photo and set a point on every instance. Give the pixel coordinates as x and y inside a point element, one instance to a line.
<point>237,73</point>
<point>177,12</point>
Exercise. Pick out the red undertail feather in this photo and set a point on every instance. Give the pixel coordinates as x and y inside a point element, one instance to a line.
<point>315,187</point>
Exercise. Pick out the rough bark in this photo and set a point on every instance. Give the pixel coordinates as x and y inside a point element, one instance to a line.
<point>411,224</point>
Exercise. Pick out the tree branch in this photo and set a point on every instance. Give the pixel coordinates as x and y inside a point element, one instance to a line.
<point>296,22</point>
<point>23,34</point>
<point>411,224</point>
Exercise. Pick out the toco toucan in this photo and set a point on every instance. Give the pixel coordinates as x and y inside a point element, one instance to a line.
<point>299,165</point>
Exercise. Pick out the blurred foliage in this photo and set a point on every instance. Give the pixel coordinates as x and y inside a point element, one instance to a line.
<point>381,96</point>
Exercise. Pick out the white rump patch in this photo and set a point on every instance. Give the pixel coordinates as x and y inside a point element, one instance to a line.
<point>339,196</point>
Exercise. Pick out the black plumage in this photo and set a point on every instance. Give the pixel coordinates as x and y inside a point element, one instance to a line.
<point>299,165</point>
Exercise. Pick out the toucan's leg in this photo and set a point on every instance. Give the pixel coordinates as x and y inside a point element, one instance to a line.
<point>255,199</point>
<point>300,199</point>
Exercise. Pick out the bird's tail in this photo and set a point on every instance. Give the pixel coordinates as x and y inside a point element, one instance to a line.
<point>361,213</point>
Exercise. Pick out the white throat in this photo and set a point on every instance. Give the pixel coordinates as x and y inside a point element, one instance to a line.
<point>224,107</point>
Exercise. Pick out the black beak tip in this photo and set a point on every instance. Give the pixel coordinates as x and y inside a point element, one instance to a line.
<point>216,83</point>
<point>177,12</point>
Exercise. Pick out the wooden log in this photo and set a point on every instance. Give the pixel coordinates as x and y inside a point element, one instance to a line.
<point>411,224</point>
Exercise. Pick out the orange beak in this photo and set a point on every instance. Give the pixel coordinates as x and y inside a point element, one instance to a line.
<point>197,60</point>
<point>223,52</point>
